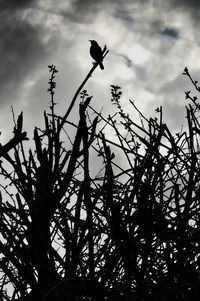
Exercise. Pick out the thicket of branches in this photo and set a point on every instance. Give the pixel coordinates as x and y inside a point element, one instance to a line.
<point>128,232</point>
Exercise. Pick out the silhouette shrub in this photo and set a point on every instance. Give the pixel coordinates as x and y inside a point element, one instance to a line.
<point>131,232</point>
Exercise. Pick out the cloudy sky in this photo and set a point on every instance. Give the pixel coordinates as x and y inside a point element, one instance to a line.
<point>150,43</point>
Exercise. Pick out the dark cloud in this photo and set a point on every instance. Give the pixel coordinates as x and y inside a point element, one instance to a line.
<point>85,11</point>
<point>191,8</point>
<point>22,49</point>
<point>171,32</point>
<point>128,61</point>
<point>192,4</point>
<point>124,15</point>
<point>16,4</point>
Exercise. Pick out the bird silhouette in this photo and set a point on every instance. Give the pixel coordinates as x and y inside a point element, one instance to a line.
<point>96,53</point>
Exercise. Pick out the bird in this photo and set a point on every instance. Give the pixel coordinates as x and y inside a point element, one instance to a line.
<point>96,53</point>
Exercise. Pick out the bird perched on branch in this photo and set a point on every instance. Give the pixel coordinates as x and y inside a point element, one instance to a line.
<point>96,53</point>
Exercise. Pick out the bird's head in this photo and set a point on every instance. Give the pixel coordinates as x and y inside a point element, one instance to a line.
<point>93,42</point>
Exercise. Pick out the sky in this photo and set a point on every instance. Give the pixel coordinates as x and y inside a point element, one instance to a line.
<point>150,43</point>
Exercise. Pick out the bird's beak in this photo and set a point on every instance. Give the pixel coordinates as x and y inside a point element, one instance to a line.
<point>90,40</point>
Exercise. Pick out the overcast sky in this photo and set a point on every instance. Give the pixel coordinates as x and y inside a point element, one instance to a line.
<point>150,43</point>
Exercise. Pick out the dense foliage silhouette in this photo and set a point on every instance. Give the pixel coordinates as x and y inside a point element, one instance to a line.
<point>129,232</point>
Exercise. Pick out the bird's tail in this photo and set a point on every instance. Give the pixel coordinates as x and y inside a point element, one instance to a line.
<point>101,65</point>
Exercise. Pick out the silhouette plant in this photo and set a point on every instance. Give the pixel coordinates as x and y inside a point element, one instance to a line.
<point>130,232</point>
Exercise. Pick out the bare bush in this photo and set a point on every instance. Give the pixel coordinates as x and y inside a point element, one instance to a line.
<point>131,232</point>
